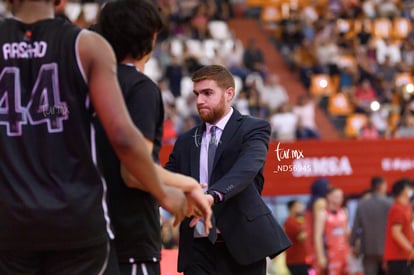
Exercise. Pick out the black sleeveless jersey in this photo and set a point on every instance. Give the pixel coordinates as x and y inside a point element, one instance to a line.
<point>51,193</point>
<point>135,214</point>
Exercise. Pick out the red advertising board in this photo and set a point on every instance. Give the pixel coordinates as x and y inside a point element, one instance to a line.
<point>349,164</point>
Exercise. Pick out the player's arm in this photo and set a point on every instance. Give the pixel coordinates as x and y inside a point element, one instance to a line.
<point>198,203</point>
<point>319,228</point>
<point>185,183</point>
<point>99,64</point>
<point>399,237</point>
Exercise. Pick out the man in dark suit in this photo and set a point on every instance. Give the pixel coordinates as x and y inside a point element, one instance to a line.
<point>246,232</point>
<point>368,239</point>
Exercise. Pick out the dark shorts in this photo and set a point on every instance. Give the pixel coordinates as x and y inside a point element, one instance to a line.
<point>92,260</point>
<point>144,268</point>
<point>400,267</point>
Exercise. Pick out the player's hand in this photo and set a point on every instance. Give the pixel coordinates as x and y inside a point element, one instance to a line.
<point>175,202</point>
<point>199,206</point>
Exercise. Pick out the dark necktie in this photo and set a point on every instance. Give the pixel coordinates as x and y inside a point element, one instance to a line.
<point>212,147</point>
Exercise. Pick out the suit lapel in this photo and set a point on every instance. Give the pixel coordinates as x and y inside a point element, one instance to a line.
<point>195,151</point>
<point>229,131</point>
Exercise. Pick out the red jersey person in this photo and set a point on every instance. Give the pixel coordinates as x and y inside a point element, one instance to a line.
<point>295,229</point>
<point>399,236</point>
<point>331,235</point>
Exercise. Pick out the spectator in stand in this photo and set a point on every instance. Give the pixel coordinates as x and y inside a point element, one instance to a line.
<point>364,36</point>
<point>368,131</point>
<point>284,123</point>
<point>407,54</point>
<point>291,33</point>
<point>331,235</point>
<point>385,48</point>
<point>253,58</point>
<point>335,6</point>
<point>166,94</point>
<point>347,78</point>
<point>191,60</point>
<point>379,119</point>
<point>399,237</point>
<point>257,107</point>
<point>234,60</point>
<point>326,28</point>
<point>305,111</point>
<point>241,103</point>
<point>327,52</point>
<point>224,10</point>
<point>405,128</point>
<point>199,22</point>
<point>295,229</point>
<point>306,62</point>
<point>364,96</point>
<point>273,93</point>
<point>305,133</point>
<point>371,211</point>
<point>406,8</point>
<point>315,207</point>
<point>387,8</point>
<point>308,30</point>
<point>366,65</point>
<point>174,74</point>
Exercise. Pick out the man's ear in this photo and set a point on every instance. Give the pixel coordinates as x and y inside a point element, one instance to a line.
<point>229,93</point>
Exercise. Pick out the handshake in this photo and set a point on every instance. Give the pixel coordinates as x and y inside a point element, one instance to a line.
<point>180,195</point>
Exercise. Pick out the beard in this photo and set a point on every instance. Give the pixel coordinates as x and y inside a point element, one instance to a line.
<point>213,114</point>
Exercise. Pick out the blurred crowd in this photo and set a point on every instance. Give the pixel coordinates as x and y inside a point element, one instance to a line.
<point>196,34</point>
<point>356,59</point>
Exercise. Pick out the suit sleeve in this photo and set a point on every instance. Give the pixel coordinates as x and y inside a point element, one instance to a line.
<point>356,227</point>
<point>249,162</point>
<point>173,160</point>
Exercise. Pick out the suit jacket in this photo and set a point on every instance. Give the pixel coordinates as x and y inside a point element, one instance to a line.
<point>370,224</point>
<point>246,223</point>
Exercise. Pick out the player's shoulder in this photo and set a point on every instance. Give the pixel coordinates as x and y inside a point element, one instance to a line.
<point>132,80</point>
<point>91,39</point>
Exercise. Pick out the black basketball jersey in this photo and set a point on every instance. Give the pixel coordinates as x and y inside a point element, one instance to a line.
<point>134,213</point>
<point>51,194</point>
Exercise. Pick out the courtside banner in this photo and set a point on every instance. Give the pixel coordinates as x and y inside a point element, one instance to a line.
<point>349,164</point>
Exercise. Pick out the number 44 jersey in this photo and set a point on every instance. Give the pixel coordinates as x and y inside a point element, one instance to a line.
<point>51,194</point>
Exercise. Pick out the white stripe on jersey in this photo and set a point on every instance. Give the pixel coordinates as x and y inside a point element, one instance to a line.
<point>78,57</point>
<point>144,269</point>
<point>104,205</point>
<point>105,264</point>
<point>134,269</point>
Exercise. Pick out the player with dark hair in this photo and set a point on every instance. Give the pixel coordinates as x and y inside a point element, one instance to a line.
<point>131,27</point>
<point>53,78</point>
